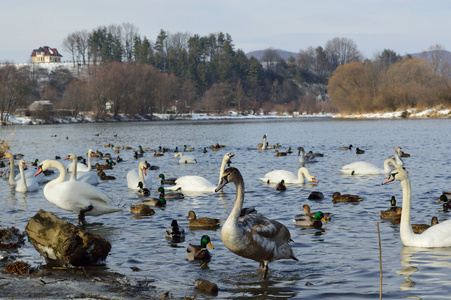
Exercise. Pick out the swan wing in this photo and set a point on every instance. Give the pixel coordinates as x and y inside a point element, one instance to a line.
<point>361,168</point>
<point>277,175</point>
<point>193,184</point>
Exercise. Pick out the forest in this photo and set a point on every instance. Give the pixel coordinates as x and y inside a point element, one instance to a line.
<point>125,73</point>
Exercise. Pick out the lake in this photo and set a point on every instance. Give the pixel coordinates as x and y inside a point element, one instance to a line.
<point>340,261</point>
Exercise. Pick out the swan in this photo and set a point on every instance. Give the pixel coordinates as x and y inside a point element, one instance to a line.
<point>365,168</point>
<point>192,183</point>
<point>75,196</point>
<point>25,184</point>
<point>436,236</point>
<point>253,236</point>
<point>88,177</point>
<point>13,179</point>
<point>82,167</point>
<point>135,176</point>
<point>185,159</point>
<point>398,159</point>
<point>303,158</point>
<point>262,146</point>
<point>278,175</point>
<point>29,174</point>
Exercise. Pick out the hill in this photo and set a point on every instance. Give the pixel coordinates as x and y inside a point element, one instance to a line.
<point>282,53</point>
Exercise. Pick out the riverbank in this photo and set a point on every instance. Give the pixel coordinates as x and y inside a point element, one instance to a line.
<point>436,112</point>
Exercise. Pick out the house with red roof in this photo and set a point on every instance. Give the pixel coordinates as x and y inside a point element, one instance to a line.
<point>45,55</point>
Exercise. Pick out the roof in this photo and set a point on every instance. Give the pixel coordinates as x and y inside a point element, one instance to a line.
<point>47,51</point>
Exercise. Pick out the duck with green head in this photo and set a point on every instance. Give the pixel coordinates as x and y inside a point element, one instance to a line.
<point>169,196</point>
<point>394,212</point>
<point>446,205</point>
<point>199,252</point>
<point>309,221</point>
<point>161,202</point>
<point>165,180</point>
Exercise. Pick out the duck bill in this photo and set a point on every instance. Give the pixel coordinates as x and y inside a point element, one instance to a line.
<point>210,245</point>
<point>438,201</point>
<point>324,220</point>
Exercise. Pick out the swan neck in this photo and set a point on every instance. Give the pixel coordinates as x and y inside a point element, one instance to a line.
<point>22,175</point>
<point>238,206</point>
<point>221,170</point>
<point>11,170</point>
<point>73,176</point>
<point>302,171</point>
<point>406,231</point>
<point>89,161</point>
<point>264,143</point>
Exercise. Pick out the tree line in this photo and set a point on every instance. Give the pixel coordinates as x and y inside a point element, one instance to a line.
<point>126,73</point>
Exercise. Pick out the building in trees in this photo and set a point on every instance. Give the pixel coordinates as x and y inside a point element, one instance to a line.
<point>45,55</point>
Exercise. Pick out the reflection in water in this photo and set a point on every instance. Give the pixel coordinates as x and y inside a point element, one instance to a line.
<point>431,263</point>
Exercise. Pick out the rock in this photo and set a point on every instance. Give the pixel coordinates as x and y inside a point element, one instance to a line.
<point>206,286</point>
<point>63,244</point>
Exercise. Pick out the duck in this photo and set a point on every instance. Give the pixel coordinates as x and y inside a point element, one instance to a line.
<point>359,151</point>
<point>365,168</point>
<point>119,159</point>
<point>281,186</point>
<point>420,228</point>
<point>306,208</point>
<point>25,184</point>
<point>155,154</point>
<point>161,202</point>
<point>169,196</point>
<point>137,155</point>
<point>199,252</point>
<point>394,212</point>
<point>163,149</point>
<point>253,236</point>
<point>262,146</point>
<point>214,148</point>
<point>346,147</point>
<point>136,175</point>
<point>314,221</point>
<point>203,222</point>
<point>142,209</point>
<point>446,204</point>
<point>308,157</point>
<point>142,191</point>
<point>105,166</point>
<point>75,196</point>
<point>175,232</point>
<point>103,176</point>
<point>205,150</point>
<point>186,148</point>
<point>165,180</point>
<point>403,154</point>
<point>315,195</point>
<point>337,197</point>
<point>185,159</point>
<point>88,177</point>
<point>197,183</point>
<point>277,175</point>
<point>280,153</point>
<point>435,236</point>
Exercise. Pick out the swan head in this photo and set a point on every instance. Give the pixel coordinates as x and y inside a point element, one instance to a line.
<point>399,174</point>
<point>204,241</point>
<point>143,166</point>
<point>230,175</point>
<point>70,156</point>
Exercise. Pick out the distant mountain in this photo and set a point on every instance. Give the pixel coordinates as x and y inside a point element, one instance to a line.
<point>445,54</point>
<point>282,53</point>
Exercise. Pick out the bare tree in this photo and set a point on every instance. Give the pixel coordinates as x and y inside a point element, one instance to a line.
<point>341,51</point>
<point>82,44</point>
<point>70,44</point>
<point>270,58</point>
<point>128,39</point>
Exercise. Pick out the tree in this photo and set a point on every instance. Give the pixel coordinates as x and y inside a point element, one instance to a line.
<point>340,51</point>
<point>82,38</point>
<point>70,45</point>
<point>14,88</point>
<point>387,58</point>
<point>270,58</point>
<point>128,39</point>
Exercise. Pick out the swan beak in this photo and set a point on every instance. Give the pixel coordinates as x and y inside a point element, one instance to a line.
<point>389,179</point>
<point>38,172</point>
<point>210,245</point>
<point>314,180</point>
<point>221,184</point>
<point>145,172</point>
<point>67,157</point>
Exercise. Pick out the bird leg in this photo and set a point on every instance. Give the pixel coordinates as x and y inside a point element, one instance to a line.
<point>263,268</point>
<point>81,215</point>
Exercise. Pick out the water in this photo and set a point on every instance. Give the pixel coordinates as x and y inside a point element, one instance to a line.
<point>339,262</point>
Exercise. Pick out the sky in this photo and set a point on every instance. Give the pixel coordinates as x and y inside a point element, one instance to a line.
<point>374,25</point>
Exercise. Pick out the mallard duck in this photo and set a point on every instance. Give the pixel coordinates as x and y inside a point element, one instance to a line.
<point>420,228</point>
<point>359,151</point>
<point>308,221</point>
<point>142,191</point>
<point>169,196</point>
<point>394,212</point>
<point>205,150</point>
<point>156,154</point>
<point>281,186</point>
<point>346,148</point>
<point>280,153</point>
<point>403,154</point>
<point>142,209</point>
<point>186,148</point>
<point>203,222</point>
<point>315,196</point>
<point>337,197</point>
<point>175,232</point>
<point>446,204</point>
<point>199,252</point>
<point>214,148</point>
<point>137,155</point>
<point>253,236</point>
<point>165,180</point>
<point>306,208</point>
<point>103,176</point>
<point>161,202</point>
<point>119,159</point>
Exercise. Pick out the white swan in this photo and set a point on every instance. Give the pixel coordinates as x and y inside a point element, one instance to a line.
<point>185,159</point>
<point>305,158</point>
<point>192,183</point>
<point>436,236</point>
<point>365,168</point>
<point>89,177</point>
<point>278,175</point>
<point>76,196</point>
<point>25,184</point>
<point>82,167</point>
<point>397,156</point>
<point>262,146</point>
<point>136,175</point>
<point>253,236</point>
<point>11,178</point>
